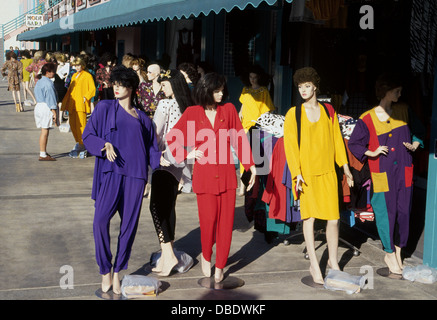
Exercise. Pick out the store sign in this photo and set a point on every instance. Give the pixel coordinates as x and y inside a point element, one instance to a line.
<point>34,20</point>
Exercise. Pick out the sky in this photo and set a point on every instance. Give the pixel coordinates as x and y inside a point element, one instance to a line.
<point>9,10</point>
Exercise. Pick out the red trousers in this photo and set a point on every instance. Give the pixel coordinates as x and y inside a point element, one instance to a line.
<point>216,219</point>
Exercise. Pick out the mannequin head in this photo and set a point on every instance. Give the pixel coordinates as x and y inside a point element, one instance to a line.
<point>125,82</point>
<point>209,88</point>
<point>389,87</point>
<point>307,80</point>
<point>153,72</point>
<point>174,85</point>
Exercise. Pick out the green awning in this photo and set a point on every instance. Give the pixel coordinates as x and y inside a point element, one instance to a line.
<point>118,13</point>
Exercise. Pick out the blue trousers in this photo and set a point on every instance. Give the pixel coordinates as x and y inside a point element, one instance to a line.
<point>125,195</point>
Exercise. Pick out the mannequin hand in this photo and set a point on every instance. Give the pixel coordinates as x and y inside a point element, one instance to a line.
<point>412,146</point>
<point>110,152</point>
<point>300,181</point>
<point>349,177</point>
<point>163,162</point>
<point>195,154</point>
<point>380,150</point>
<point>252,178</point>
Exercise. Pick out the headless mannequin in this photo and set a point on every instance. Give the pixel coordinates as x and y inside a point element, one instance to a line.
<point>383,112</point>
<point>307,91</point>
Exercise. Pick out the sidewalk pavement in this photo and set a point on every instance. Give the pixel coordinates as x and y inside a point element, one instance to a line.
<point>46,236</point>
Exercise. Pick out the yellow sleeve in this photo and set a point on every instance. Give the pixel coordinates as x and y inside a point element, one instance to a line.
<point>268,103</point>
<point>340,150</point>
<point>91,87</point>
<point>292,152</point>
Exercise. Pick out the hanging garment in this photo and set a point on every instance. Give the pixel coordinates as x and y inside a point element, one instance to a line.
<point>423,34</point>
<point>275,193</point>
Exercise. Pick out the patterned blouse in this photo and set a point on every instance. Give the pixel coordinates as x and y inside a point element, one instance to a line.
<point>102,75</point>
<point>147,98</point>
<point>15,74</point>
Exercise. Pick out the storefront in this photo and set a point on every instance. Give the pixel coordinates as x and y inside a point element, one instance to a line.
<point>349,42</point>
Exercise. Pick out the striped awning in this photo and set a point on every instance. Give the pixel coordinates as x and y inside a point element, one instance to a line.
<point>118,13</point>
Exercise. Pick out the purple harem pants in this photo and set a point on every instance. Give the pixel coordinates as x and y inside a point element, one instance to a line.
<point>125,195</point>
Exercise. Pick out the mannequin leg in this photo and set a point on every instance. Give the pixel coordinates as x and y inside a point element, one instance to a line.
<point>308,233</point>
<point>392,263</point>
<point>27,90</point>
<point>168,257</point>
<point>116,285</point>
<point>399,257</point>
<point>106,282</point>
<point>206,266</point>
<point>332,240</point>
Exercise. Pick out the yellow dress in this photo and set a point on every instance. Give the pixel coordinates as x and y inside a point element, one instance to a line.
<point>321,147</point>
<point>254,102</point>
<point>26,74</point>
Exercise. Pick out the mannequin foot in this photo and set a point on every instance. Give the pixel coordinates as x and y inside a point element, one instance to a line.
<point>218,276</point>
<point>159,265</point>
<point>106,282</point>
<point>333,266</point>
<point>392,263</point>
<point>116,286</point>
<point>206,266</point>
<point>168,267</point>
<point>317,275</point>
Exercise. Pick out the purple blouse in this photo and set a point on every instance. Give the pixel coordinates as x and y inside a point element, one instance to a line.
<point>133,139</point>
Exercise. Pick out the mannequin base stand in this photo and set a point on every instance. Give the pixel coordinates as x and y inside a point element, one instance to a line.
<point>109,295</point>
<point>226,284</point>
<point>385,272</point>
<point>286,242</point>
<point>308,280</point>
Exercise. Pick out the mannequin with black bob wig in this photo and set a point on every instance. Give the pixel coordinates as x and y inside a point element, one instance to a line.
<point>203,93</point>
<point>128,78</point>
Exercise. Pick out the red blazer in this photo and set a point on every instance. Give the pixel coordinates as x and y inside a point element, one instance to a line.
<point>215,172</point>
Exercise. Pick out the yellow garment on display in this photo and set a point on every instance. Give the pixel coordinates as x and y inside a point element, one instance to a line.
<point>254,102</point>
<point>82,85</point>
<point>26,74</point>
<point>321,146</point>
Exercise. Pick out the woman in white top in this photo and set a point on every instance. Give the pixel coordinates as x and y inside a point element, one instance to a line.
<point>165,179</point>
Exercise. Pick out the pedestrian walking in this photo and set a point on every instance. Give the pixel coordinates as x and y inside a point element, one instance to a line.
<point>46,108</point>
<point>15,76</point>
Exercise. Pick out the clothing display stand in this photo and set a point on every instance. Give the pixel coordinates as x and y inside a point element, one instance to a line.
<point>109,295</point>
<point>226,284</point>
